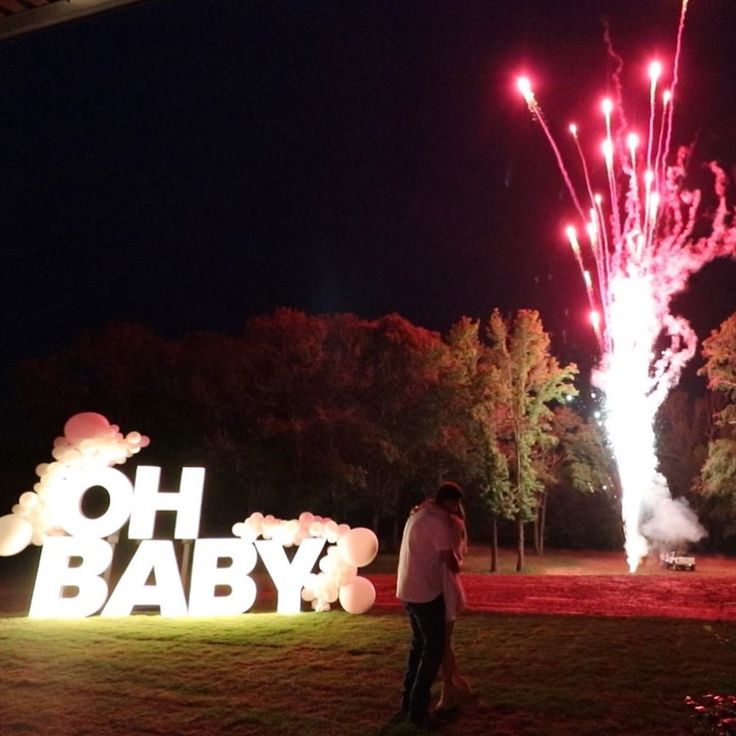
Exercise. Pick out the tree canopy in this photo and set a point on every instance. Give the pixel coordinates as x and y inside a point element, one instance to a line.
<point>351,418</point>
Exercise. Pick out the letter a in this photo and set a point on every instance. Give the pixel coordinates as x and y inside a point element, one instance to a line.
<point>157,557</point>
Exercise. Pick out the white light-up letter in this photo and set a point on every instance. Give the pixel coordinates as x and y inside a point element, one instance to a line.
<point>119,490</point>
<point>147,500</point>
<point>289,578</point>
<point>54,574</point>
<point>157,557</point>
<point>206,575</point>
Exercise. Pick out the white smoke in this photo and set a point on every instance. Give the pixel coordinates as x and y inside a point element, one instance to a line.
<point>666,521</point>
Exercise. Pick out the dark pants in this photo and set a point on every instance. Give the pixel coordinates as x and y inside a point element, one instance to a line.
<point>425,657</point>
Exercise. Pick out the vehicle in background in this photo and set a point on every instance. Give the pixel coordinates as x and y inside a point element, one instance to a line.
<point>678,561</point>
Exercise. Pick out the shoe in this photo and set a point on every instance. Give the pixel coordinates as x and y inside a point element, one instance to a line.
<point>450,700</point>
<point>426,723</point>
<point>442,712</point>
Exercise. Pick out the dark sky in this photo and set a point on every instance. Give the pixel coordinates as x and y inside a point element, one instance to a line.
<point>185,164</point>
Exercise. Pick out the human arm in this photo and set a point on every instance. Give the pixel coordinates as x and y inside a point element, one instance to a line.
<point>449,558</point>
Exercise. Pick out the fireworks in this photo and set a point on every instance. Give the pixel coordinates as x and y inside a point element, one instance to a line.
<point>641,244</point>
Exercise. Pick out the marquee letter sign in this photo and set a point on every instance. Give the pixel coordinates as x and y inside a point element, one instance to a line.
<point>75,555</point>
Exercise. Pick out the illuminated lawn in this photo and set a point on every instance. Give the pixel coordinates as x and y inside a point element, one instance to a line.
<point>320,674</point>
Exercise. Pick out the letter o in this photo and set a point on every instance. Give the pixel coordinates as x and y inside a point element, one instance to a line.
<point>120,491</point>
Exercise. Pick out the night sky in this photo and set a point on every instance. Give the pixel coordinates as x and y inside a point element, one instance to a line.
<point>185,164</point>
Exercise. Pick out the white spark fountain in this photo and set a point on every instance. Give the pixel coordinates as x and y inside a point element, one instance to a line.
<point>642,252</point>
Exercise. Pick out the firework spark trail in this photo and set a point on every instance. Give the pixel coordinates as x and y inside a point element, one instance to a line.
<point>526,91</point>
<point>641,264</point>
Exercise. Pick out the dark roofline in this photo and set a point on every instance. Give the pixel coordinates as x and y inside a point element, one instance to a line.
<point>43,16</point>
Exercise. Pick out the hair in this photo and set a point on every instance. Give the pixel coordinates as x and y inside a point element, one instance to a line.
<point>448,491</point>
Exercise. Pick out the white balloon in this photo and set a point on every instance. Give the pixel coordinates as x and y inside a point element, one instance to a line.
<point>358,595</point>
<point>15,534</point>
<point>325,564</point>
<point>358,547</point>
<point>331,593</point>
<point>347,574</point>
<point>28,499</point>
<point>134,438</point>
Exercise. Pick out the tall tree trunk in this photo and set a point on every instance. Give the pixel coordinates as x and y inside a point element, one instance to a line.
<point>539,520</point>
<point>542,523</point>
<point>494,543</point>
<point>519,545</point>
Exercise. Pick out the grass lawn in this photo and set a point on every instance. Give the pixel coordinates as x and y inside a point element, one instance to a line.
<point>533,673</point>
<point>321,674</point>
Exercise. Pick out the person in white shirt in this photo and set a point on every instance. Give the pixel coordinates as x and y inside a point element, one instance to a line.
<point>455,688</point>
<point>427,552</point>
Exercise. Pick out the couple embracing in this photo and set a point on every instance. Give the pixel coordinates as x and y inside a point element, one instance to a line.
<point>428,583</point>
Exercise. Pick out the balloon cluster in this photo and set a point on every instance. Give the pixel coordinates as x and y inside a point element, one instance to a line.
<point>338,577</point>
<point>89,441</point>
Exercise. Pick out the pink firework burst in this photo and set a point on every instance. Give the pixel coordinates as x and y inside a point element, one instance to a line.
<point>636,249</point>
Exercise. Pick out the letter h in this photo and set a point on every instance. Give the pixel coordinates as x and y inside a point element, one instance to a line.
<point>147,500</point>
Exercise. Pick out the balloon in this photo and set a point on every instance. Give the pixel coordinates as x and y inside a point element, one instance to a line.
<point>347,574</point>
<point>15,534</point>
<point>86,425</point>
<point>28,499</point>
<point>358,595</point>
<point>358,547</point>
<point>325,564</point>
<point>306,518</point>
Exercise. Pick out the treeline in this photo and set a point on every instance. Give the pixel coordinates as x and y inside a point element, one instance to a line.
<point>351,418</point>
<point>697,448</point>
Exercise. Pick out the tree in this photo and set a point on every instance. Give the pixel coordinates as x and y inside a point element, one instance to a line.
<point>403,415</point>
<point>472,388</point>
<point>577,459</point>
<point>718,475</point>
<point>685,426</point>
<point>528,380</point>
